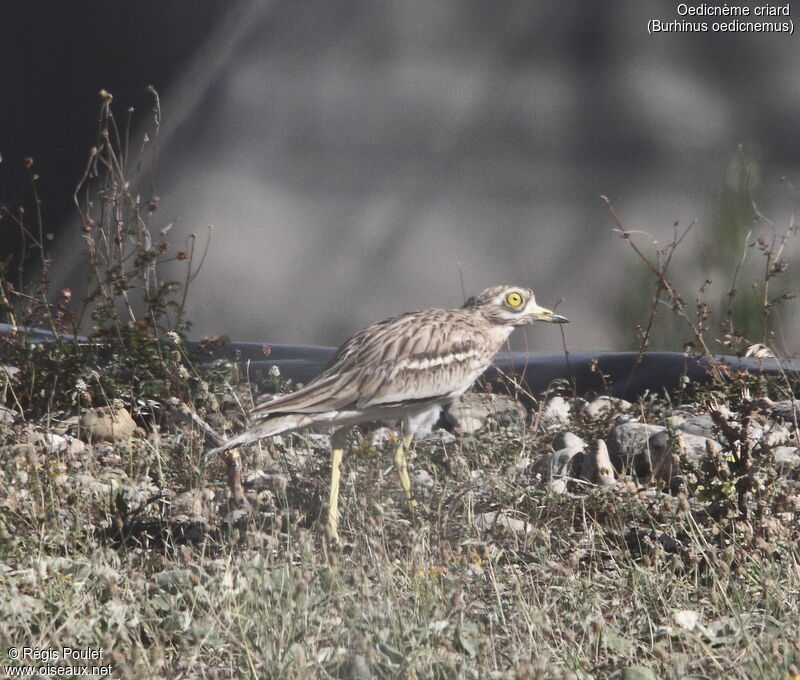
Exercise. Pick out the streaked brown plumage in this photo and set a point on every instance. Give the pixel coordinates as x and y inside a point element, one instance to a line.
<point>402,369</point>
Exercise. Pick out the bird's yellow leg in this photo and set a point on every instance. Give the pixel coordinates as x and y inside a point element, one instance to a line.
<point>338,441</point>
<point>401,462</point>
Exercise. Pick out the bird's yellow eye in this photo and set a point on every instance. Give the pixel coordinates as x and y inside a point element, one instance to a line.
<point>514,300</point>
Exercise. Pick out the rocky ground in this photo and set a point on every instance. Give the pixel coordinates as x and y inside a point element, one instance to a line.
<point>585,538</point>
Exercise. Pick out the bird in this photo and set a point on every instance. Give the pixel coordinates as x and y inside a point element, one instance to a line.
<point>404,370</point>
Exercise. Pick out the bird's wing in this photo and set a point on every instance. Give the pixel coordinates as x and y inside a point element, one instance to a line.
<point>417,357</point>
<point>323,396</point>
<point>412,358</point>
<point>328,391</point>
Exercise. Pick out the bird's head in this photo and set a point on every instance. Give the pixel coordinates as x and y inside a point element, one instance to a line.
<point>511,306</point>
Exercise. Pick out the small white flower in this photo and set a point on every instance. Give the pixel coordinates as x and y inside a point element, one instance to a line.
<point>175,339</point>
<point>274,371</point>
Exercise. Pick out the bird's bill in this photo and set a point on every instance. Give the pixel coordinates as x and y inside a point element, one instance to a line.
<point>548,315</point>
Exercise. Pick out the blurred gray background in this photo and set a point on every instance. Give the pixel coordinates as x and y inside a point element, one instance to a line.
<point>356,159</point>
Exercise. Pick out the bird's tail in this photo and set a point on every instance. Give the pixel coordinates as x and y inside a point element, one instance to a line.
<point>268,427</point>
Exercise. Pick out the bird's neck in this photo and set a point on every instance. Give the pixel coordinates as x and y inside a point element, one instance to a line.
<point>500,335</point>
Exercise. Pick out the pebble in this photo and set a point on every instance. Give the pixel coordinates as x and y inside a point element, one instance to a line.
<point>564,463</point>
<point>55,443</point>
<point>193,504</point>
<point>701,425</point>
<point>596,465</point>
<point>27,452</point>
<point>6,416</point>
<point>784,410</point>
<point>318,439</point>
<point>107,423</point>
<point>468,414</point>
<point>556,411</point>
<point>486,521</point>
<point>603,406</point>
<point>273,481</point>
<point>381,436</point>
<point>657,459</point>
<point>778,435</point>
<point>568,440</point>
<point>75,447</point>
<point>422,481</point>
<point>471,412</point>
<point>788,456</point>
<point>626,444</point>
<point>92,486</point>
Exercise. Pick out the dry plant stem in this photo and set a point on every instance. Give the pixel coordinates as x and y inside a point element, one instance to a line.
<point>90,164</point>
<point>740,264</point>
<point>39,243</point>
<point>37,240</point>
<point>189,273</point>
<point>8,306</point>
<point>156,133</point>
<point>772,265</point>
<point>665,285</point>
<point>123,256</point>
<point>127,143</point>
<point>567,361</point>
<point>233,463</point>
<point>739,441</point>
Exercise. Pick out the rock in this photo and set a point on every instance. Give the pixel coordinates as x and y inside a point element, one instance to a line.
<point>677,484</point>
<point>674,421</point>
<point>276,482</point>
<point>27,453</point>
<point>786,456</point>
<point>784,410</point>
<point>556,468</point>
<point>51,443</point>
<point>701,425</point>
<point>500,404</point>
<point>75,447</point>
<point>568,440</point>
<point>556,411</point>
<point>596,465</point>
<point>471,412</point>
<point>382,436</point>
<point>628,444</point>
<point>6,416</point>
<point>755,433</point>
<point>686,619</point>
<point>487,521</point>
<point>656,459</point>
<point>561,462</point>
<point>659,459</point>
<point>92,486</point>
<point>777,435</point>
<point>421,481</point>
<point>468,414</point>
<point>108,423</point>
<point>604,406</point>
<point>193,504</point>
